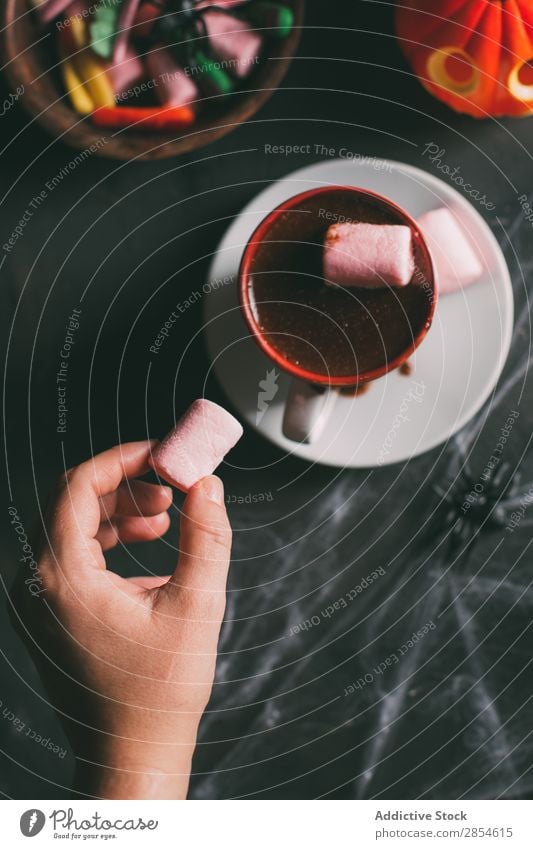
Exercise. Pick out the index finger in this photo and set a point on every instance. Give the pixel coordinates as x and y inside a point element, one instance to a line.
<point>76,511</point>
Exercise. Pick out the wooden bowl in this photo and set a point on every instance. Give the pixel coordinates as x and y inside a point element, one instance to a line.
<point>27,64</point>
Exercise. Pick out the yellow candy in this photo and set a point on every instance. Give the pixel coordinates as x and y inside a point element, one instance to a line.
<point>95,79</point>
<point>78,31</point>
<point>79,96</point>
<point>89,71</point>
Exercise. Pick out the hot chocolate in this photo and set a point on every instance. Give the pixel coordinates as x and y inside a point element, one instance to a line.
<point>332,331</point>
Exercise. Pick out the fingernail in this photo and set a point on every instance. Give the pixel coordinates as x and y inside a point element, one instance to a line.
<point>213,488</point>
<point>168,490</point>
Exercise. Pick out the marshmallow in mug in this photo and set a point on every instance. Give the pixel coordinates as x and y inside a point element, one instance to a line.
<point>196,445</point>
<point>368,255</point>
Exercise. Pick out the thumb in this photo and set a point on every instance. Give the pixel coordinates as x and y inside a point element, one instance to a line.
<point>199,581</point>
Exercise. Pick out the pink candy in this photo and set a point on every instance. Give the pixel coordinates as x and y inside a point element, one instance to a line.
<point>51,9</point>
<point>456,264</point>
<point>123,74</point>
<point>232,41</point>
<point>173,86</point>
<point>196,445</point>
<point>368,255</point>
<point>223,4</point>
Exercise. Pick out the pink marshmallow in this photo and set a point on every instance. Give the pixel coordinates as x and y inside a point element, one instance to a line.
<point>232,41</point>
<point>173,86</point>
<point>368,255</point>
<point>196,445</point>
<point>456,263</point>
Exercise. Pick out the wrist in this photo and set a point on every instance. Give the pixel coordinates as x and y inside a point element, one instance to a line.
<point>134,770</point>
<point>133,781</point>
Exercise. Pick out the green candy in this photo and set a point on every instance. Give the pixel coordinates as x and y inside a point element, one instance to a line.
<point>275,16</point>
<point>103,30</point>
<point>214,78</point>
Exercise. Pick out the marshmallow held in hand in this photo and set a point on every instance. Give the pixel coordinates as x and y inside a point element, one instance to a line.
<point>368,255</point>
<point>196,445</point>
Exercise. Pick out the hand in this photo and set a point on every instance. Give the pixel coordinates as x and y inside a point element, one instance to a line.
<point>128,663</point>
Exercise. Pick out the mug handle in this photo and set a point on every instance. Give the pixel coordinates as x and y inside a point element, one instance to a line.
<point>307,410</point>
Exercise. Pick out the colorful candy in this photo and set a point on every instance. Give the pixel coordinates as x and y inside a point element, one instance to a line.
<point>275,16</point>
<point>233,41</point>
<point>172,85</point>
<point>124,74</point>
<point>175,52</point>
<point>50,9</point>
<point>147,14</point>
<point>144,117</point>
<point>79,96</point>
<point>223,4</point>
<point>213,79</point>
<point>86,70</point>
<point>103,29</point>
<point>126,18</point>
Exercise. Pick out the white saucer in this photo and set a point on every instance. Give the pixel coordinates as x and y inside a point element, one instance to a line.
<point>457,364</point>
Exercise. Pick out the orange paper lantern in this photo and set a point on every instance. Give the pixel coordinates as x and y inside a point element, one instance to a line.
<point>476,55</point>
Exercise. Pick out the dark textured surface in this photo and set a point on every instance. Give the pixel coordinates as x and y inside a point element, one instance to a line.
<point>452,718</point>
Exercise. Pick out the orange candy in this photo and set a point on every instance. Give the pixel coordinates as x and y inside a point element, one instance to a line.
<point>161,118</point>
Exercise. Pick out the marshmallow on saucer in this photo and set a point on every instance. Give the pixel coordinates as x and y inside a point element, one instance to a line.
<point>368,255</point>
<point>456,263</point>
<point>196,445</point>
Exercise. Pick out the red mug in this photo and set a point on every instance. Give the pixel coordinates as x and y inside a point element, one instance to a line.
<point>310,398</point>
